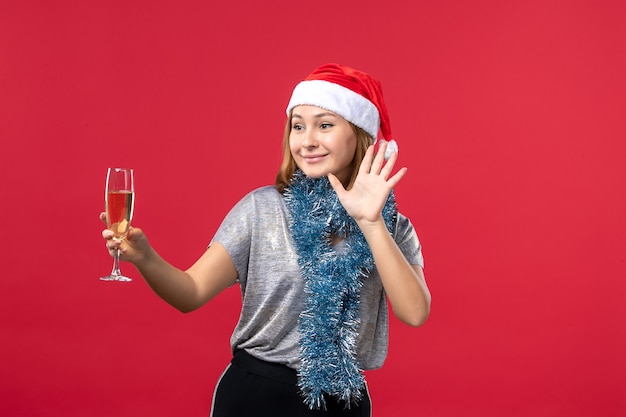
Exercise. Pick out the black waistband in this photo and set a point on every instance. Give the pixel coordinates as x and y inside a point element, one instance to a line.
<point>275,371</point>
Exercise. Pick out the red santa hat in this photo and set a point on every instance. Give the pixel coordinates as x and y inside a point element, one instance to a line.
<point>352,94</point>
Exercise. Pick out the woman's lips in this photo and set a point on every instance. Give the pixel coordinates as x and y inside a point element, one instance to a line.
<point>311,159</point>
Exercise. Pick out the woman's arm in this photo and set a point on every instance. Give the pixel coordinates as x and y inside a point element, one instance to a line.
<point>404,283</point>
<point>184,290</point>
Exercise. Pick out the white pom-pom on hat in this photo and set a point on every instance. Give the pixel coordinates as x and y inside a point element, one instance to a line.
<point>392,147</point>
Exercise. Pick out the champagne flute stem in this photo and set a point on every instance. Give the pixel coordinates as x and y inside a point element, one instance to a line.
<point>116,264</point>
<point>116,274</point>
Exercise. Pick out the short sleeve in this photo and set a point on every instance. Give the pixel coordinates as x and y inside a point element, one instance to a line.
<point>408,242</point>
<point>235,234</point>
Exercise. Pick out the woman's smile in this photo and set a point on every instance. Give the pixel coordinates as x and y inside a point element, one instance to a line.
<point>312,159</point>
<point>321,142</point>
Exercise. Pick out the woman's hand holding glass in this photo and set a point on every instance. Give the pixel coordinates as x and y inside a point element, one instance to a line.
<point>131,249</point>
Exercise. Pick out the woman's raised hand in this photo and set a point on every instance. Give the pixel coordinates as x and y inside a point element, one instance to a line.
<point>367,197</point>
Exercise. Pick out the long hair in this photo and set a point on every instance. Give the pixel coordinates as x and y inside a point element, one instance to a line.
<point>288,165</point>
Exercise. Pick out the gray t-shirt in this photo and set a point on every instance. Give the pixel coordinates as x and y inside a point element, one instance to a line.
<point>256,235</point>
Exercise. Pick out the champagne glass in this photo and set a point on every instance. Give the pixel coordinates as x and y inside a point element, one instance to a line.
<point>119,197</point>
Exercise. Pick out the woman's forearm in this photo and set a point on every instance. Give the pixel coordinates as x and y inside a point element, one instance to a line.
<point>174,286</point>
<point>188,290</point>
<point>404,283</point>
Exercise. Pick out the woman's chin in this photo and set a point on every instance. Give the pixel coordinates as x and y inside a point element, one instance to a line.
<point>314,174</point>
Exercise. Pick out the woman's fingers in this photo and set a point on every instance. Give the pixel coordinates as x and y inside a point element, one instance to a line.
<point>335,183</point>
<point>366,163</point>
<point>393,181</point>
<point>380,158</point>
<point>377,164</point>
<point>112,243</point>
<point>386,170</point>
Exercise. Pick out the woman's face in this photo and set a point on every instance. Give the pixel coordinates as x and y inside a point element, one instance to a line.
<point>321,142</point>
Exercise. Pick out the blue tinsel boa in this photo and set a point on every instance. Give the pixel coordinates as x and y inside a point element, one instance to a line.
<point>329,322</point>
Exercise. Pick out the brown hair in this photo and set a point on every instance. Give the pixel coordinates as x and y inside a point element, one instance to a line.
<point>288,165</point>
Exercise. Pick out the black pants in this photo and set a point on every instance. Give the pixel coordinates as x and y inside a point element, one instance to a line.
<point>254,388</point>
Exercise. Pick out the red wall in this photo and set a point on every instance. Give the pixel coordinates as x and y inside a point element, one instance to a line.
<point>509,115</point>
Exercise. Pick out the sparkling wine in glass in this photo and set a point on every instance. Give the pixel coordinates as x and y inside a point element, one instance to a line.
<point>119,204</point>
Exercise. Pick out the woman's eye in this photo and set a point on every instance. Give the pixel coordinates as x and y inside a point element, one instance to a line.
<point>326,125</point>
<point>296,127</point>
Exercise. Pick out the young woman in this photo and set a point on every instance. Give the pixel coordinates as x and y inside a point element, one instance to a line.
<point>317,256</point>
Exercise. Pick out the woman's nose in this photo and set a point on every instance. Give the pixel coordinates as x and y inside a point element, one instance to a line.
<point>309,140</point>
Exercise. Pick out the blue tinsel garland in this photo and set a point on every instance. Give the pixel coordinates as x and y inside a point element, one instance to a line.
<point>329,322</point>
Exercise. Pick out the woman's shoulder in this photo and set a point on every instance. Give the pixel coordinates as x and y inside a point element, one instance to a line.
<point>264,194</point>
<point>261,197</point>
<point>266,190</point>
<point>259,202</point>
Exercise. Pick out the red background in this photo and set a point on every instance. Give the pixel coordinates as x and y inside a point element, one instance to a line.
<point>509,116</point>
